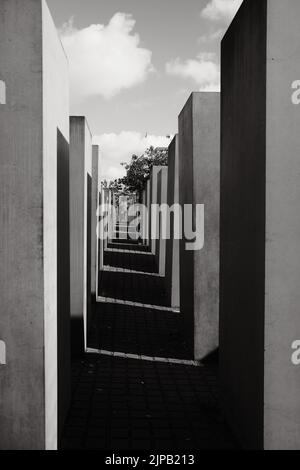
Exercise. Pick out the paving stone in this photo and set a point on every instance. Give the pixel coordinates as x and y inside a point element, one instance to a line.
<point>129,404</point>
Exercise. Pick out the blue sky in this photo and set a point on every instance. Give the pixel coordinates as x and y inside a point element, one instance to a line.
<point>133,64</point>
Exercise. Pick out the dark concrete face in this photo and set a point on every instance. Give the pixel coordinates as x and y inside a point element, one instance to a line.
<point>243,175</point>
<point>170,242</point>
<point>95,192</point>
<point>158,201</point>
<point>89,250</point>
<point>63,280</point>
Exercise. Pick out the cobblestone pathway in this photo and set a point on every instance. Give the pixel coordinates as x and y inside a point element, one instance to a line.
<point>133,404</point>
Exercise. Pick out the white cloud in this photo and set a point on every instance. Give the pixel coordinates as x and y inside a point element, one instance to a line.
<point>204,70</point>
<point>118,148</point>
<point>221,9</point>
<point>211,37</point>
<point>105,59</point>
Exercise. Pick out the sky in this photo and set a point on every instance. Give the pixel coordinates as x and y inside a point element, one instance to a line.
<point>134,63</point>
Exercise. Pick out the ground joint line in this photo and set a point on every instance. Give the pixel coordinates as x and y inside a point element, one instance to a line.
<point>164,360</point>
<point>112,269</point>
<point>133,252</point>
<point>129,303</point>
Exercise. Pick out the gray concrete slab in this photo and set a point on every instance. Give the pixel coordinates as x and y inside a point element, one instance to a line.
<point>95,201</point>
<point>199,183</point>
<point>153,224</point>
<point>260,225</point>
<point>34,136</point>
<point>80,226</point>
<point>172,244</point>
<point>162,195</point>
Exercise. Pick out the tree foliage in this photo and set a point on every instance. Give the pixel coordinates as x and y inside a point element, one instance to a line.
<point>139,168</point>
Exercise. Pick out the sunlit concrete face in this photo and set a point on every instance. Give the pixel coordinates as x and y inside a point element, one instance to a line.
<point>95,201</point>
<point>80,228</point>
<point>33,112</point>
<point>199,184</point>
<point>260,225</point>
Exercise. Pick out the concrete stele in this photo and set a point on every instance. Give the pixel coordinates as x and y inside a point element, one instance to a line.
<point>260,224</point>
<point>162,193</point>
<point>95,200</point>
<point>199,173</point>
<point>172,244</point>
<point>80,228</point>
<point>153,224</point>
<point>34,136</point>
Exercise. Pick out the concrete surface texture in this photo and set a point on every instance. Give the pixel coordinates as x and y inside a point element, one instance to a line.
<point>199,183</point>
<point>260,226</point>
<point>29,231</point>
<point>172,245</point>
<point>95,192</point>
<point>80,227</point>
<point>162,195</point>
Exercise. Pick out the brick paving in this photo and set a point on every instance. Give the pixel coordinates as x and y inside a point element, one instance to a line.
<point>124,245</point>
<point>128,404</point>
<point>134,330</point>
<point>123,404</point>
<point>140,288</point>
<point>136,262</point>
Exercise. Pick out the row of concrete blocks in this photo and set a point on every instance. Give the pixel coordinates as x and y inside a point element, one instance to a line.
<point>48,193</point>
<point>241,291</point>
<point>259,223</point>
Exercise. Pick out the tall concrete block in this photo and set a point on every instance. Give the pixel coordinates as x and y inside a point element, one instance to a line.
<point>98,238</point>
<point>260,224</point>
<point>162,197</point>
<point>199,183</point>
<point>147,213</point>
<point>153,224</point>
<point>111,220</point>
<point>81,227</point>
<point>172,244</point>
<point>34,214</point>
<point>143,215</point>
<point>95,202</point>
<point>105,229</point>
<point>103,200</point>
